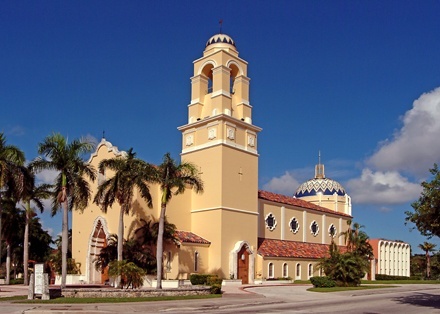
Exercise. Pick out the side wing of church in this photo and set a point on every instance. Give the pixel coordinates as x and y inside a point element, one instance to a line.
<point>232,229</point>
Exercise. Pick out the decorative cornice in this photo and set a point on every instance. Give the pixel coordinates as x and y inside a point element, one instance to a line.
<point>225,208</point>
<point>110,148</point>
<point>221,116</point>
<point>220,142</point>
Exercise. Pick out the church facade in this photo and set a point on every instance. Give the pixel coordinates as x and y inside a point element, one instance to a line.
<point>232,229</point>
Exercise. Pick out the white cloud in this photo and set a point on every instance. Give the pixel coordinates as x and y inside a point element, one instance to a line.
<point>286,184</point>
<point>415,147</point>
<point>47,176</point>
<point>17,130</point>
<point>378,187</point>
<point>385,209</point>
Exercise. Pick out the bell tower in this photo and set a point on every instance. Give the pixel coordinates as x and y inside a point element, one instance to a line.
<point>221,139</point>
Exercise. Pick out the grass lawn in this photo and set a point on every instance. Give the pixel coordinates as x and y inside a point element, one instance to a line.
<point>23,299</point>
<point>400,282</point>
<point>335,289</point>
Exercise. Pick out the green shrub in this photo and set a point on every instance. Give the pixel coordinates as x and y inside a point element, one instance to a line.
<point>322,282</point>
<point>131,274</point>
<point>214,280</point>
<point>199,279</point>
<point>216,289</point>
<point>18,281</point>
<point>278,278</point>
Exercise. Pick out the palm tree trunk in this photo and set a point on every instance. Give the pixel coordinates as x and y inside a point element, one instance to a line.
<point>120,243</point>
<point>64,243</point>
<point>120,234</point>
<point>1,212</point>
<point>159,252</point>
<point>428,265</point>
<point>26,245</point>
<point>8,263</point>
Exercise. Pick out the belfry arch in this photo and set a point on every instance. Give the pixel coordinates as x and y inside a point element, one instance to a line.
<point>97,241</point>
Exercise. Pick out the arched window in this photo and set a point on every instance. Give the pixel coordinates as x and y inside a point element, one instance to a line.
<point>196,261</point>
<point>270,270</point>
<point>285,270</point>
<point>310,274</point>
<point>298,271</point>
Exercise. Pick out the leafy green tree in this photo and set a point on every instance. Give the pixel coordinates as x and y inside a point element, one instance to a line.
<point>130,173</point>
<point>10,216</point>
<point>11,172</point>
<point>348,268</point>
<point>56,256</point>
<point>140,249</point>
<point>71,188</point>
<point>39,240</point>
<point>35,194</point>
<point>131,275</point>
<point>426,214</point>
<point>428,248</point>
<point>173,179</point>
<point>356,240</point>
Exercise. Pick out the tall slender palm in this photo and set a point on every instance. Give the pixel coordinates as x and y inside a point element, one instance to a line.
<point>428,247</point>
<point>35,194</point>
<point>71,188</point>
<point>11,175</point>
<point>130,173</point>
<point>173,179</point>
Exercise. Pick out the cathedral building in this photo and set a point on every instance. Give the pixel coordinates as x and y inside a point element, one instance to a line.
<point>232,229</point>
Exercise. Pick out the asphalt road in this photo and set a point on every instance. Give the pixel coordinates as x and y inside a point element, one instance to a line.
<point>268,299</point>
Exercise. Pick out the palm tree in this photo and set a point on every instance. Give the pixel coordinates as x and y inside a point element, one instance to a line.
<point>71,189</point>
<point>428,247</point>
<point>130,173</point>
<point>31,193</point>
<point>11,216</point>
<point>11,174</point>
<point>173,179</point>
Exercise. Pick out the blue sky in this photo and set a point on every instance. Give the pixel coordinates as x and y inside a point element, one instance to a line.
<point>357,80</point>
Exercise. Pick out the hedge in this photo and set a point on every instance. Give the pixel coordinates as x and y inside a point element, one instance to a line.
<point>322,282</point>
<point>391,277</point>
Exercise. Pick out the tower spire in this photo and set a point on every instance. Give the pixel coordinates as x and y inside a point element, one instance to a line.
<point>319,168</point>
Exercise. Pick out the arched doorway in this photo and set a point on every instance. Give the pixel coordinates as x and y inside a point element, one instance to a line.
<point>243,265</point>
<point>242,262</point>
<point>97,241</point>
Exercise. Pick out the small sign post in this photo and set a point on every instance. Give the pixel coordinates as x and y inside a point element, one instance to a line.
<point>39,285</point>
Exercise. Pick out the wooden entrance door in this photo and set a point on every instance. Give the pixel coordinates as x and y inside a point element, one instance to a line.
<point>243,265</point>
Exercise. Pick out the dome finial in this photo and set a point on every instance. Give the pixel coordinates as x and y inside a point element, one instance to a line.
<point>221,24</point>
<point>319,168</point>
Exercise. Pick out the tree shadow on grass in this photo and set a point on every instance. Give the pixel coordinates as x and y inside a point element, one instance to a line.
<point>421,299</point>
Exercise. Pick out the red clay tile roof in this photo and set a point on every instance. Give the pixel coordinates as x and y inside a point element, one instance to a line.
<point>189,237</point>
<point>293,249</point>
<point>279,198</point>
